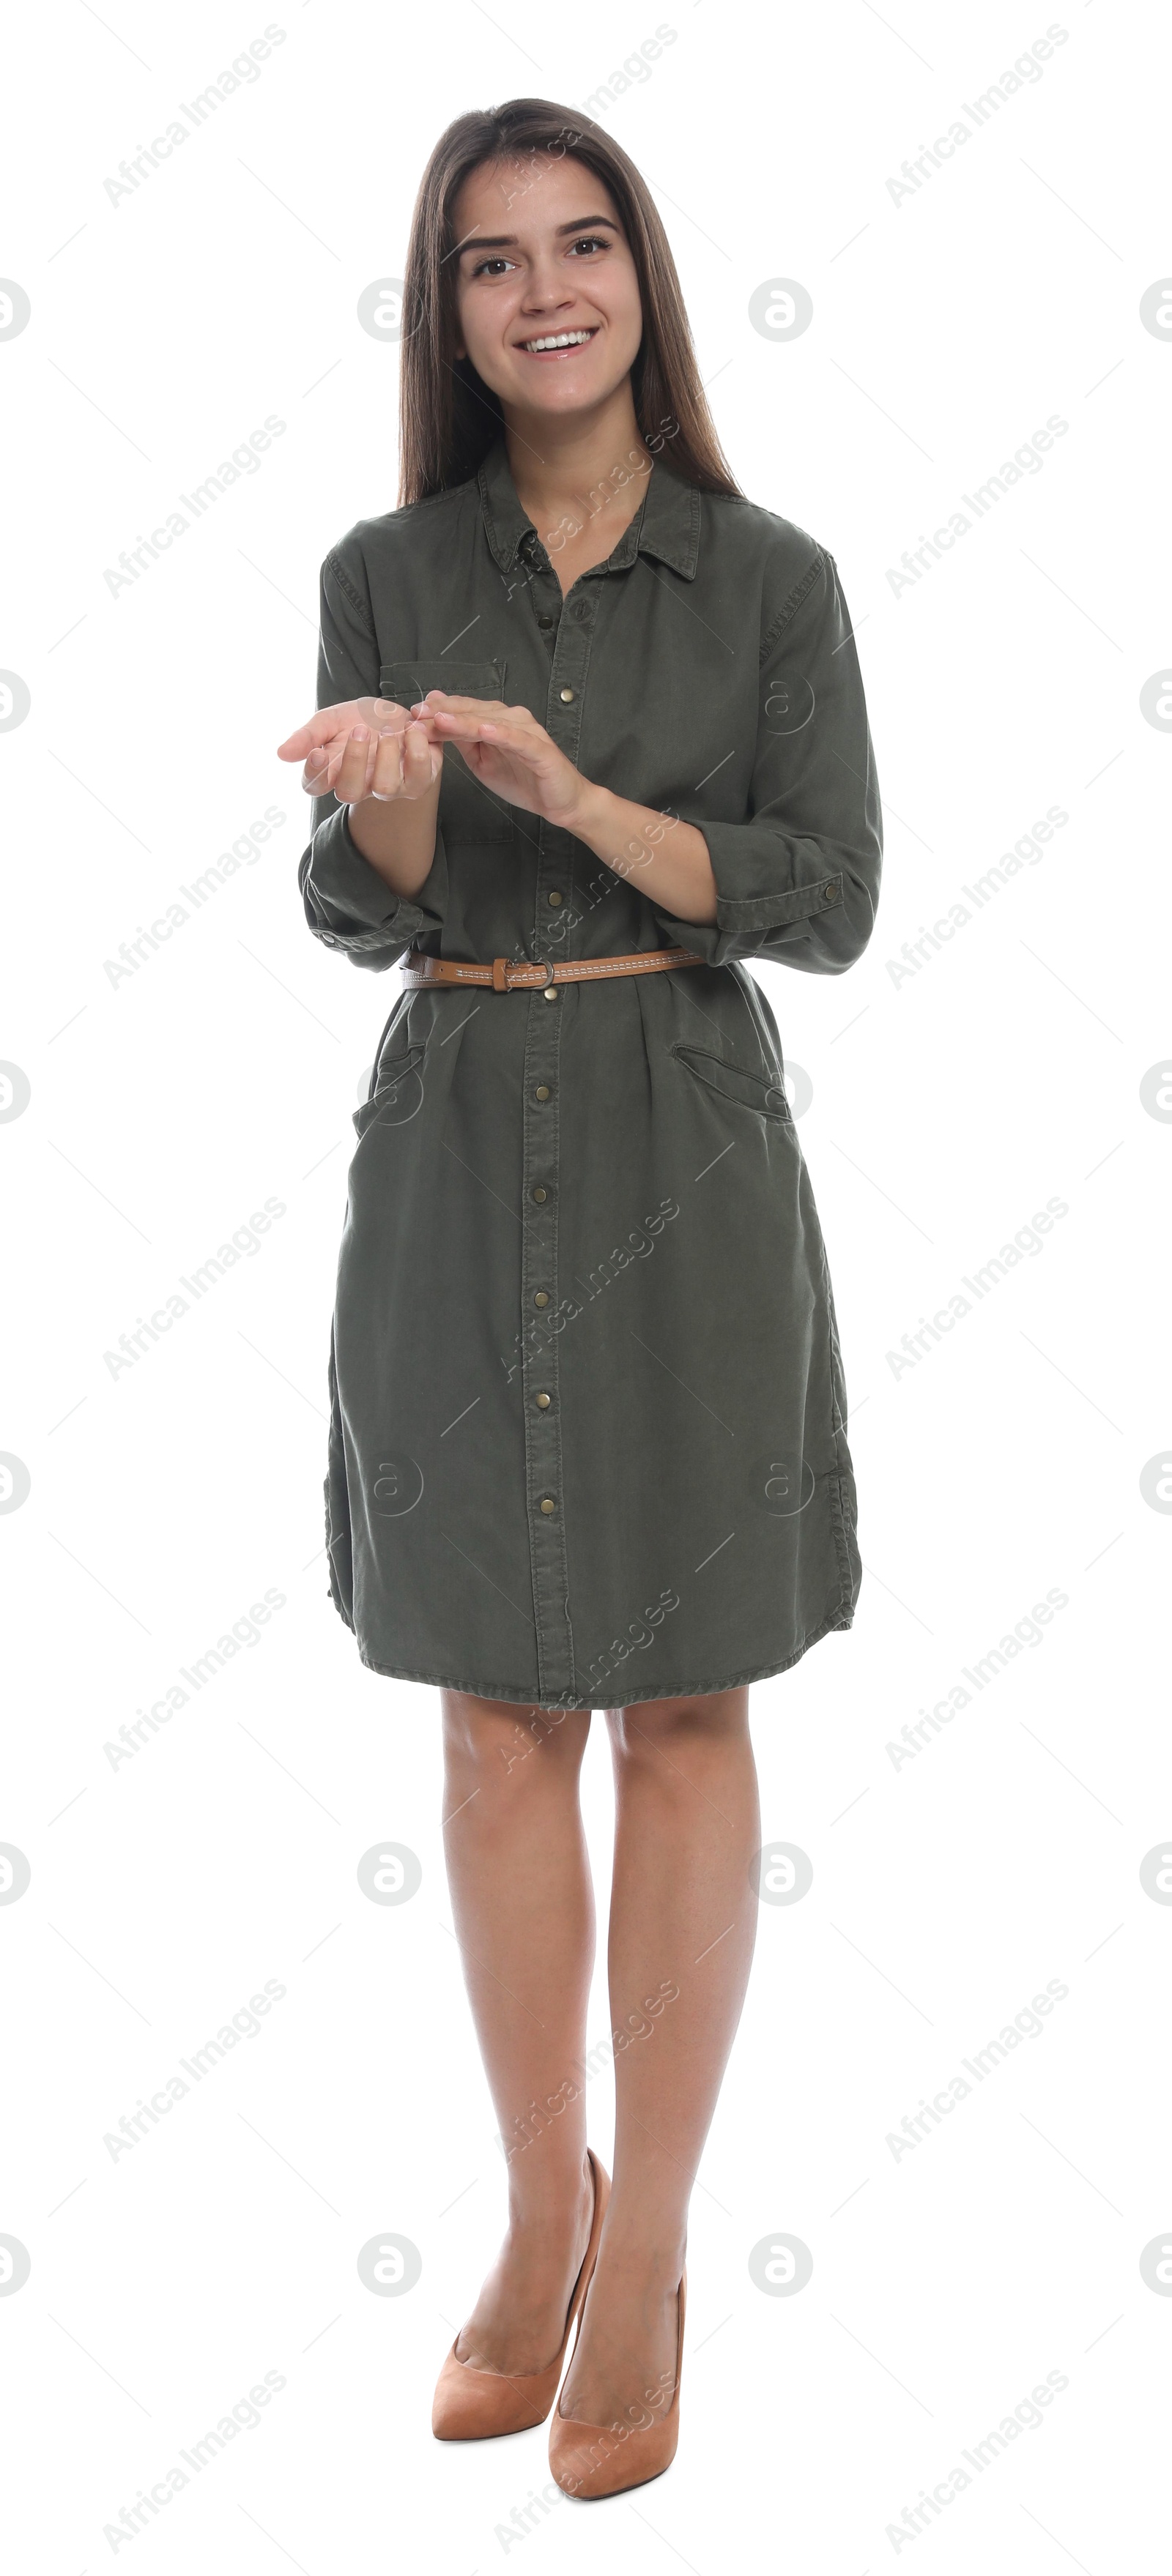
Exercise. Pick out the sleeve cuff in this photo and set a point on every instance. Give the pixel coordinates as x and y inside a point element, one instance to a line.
<point>744,858</point>
<point>348,905</point>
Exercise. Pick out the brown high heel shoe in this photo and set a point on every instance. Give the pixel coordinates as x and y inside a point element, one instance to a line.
<point>472,2405</point>
<point>599,2460</point>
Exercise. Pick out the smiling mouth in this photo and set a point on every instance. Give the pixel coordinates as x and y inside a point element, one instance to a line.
<point>555,344</point>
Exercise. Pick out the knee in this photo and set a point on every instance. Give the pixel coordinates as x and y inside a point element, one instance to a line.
<point>650,1729</point>
<point>499,1740</point>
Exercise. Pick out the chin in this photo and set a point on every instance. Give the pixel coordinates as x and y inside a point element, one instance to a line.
<point>568,397</point>
<point>547,392</point>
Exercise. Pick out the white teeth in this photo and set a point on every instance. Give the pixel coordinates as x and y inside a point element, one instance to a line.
<point>562,340</point>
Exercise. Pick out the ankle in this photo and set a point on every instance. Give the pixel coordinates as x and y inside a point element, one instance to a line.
<point>540,2202</point>
<point>644,2256</point>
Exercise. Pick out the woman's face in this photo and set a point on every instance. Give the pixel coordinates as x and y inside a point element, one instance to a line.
<point>542,255</point>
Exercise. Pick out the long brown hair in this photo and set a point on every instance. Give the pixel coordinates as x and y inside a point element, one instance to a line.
<point>448,416</point>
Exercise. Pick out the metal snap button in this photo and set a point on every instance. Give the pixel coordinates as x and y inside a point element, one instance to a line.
<point>566,696</point>
<point>547,1503</point>
<point>541,1297</point>
<point>543,1401</point>
<point>540,1195</point>
<point>542,1091</point>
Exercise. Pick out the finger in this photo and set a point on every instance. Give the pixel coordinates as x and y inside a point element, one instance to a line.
<point>464,720</point>
<point>508,737</point>
<point>331,723</point>
<point>308,737</point>
<point>442,703</point>
<point>417,761</point>
<point>316,731</point>
<point>387,777</point>
<point>353,771</point>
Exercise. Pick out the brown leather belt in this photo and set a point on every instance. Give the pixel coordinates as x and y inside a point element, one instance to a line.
<point>512,974</point>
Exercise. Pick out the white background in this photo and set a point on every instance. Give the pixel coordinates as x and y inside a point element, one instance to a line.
<point>947,1108</point>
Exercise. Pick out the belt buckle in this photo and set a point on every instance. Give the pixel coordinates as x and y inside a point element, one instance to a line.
<point>503,974</point>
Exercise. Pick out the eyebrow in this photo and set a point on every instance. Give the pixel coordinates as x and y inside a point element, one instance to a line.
<point>508,241</point>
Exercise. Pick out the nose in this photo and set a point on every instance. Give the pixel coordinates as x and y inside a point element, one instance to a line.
<point>547,284</point>
<point>546,295</point>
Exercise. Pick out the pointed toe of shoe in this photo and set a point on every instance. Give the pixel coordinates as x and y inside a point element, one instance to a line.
<point>473,2405</point>
<point>581,2455</point>
<point>587,2460</point>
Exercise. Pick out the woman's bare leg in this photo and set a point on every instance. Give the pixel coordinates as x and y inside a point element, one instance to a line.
<point>523,1905</point>
<point>682,1927</point>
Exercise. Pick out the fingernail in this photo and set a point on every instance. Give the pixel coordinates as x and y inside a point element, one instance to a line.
<point>358,733</point>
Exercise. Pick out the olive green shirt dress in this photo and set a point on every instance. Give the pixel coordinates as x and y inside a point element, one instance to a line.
<point>588,1413</point>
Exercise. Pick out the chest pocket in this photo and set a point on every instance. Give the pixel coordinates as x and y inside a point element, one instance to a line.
<point>467,811</point>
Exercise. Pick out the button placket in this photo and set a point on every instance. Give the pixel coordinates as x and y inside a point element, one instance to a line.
<point>541,1369</point>
<point>541,1174</point>
<point>565,703</point>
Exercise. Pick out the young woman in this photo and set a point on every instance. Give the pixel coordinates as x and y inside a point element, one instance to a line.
<point>591,733</point>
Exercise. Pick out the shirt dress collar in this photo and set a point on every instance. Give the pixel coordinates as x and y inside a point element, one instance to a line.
<point>666,523</point>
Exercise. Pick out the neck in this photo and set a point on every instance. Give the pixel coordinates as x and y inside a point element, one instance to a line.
<point>593,461</point>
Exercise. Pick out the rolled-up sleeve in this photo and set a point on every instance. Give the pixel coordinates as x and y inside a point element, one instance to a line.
<point>799,880</point>
<point>347,903</point>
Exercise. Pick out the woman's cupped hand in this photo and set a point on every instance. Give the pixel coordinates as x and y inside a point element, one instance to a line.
<point>369,747</point>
